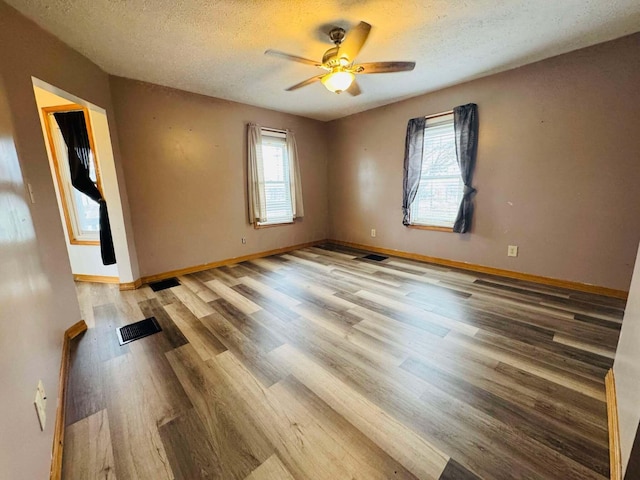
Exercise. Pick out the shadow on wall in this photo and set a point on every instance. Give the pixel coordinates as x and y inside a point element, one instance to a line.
<point>633,467</point>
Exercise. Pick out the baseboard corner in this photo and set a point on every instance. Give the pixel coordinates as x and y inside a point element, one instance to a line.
<point>131,285</point>
<point>58,434</point>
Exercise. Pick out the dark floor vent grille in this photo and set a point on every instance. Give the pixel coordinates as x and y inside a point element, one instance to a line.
<point>162,284</point>
<point>138,330</point>
<point>373,256</point>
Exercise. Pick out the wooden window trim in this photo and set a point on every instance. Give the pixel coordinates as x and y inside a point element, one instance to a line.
<point>269,225</point>
<point>46,111</point>
<point>431,227</point>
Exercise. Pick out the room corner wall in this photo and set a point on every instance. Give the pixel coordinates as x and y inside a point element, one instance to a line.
<point>27,51</point>
<point>627,370</point>
<point>185,154</point>
<point>556,173</point>
<point>34,314</point>
<point>38,294</point>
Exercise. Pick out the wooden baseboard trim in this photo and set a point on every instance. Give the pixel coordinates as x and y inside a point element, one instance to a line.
<point>229,261</point>
<point>554,282</point>
<point>615,456</point>
<point>131,285</point>
<point>58,434</point>
<point>95,278</point>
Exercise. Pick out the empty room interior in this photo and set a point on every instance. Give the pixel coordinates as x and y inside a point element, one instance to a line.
<point>319,240</point>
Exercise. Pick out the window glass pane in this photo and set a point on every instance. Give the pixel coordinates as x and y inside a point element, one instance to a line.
<point>440,190</point>
<point>84,213</point>
<point>276,180</point>
<point>88,213</point>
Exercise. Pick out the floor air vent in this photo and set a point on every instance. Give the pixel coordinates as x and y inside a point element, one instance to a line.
<point>373,256</point>
<point>162,284</point>
<point>138,330</point>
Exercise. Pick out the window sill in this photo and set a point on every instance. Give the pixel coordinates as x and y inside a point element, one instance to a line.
<point>269,225</point>
<point>432,227</point>
<point>75,241</point>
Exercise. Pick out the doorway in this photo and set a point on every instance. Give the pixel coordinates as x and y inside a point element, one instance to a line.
<point>78,213</point>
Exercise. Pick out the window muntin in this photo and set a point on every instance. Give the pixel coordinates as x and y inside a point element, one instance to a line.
<point>440,189</point>
<point>277,181</point>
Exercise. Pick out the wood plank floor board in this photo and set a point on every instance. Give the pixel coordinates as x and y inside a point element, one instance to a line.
<point>107,319</point>
<point>547,431</point>
<point>85,395</point>
<point>199,336</point>
<point>153,308</point>
<point>319,364</point>
<point>238,445</point>
<point>268,304</point>
<point>271,469</point>
<point>89,455</point>
<point>455,471</point>
<point>249,353</point>
<point>251,329</point>
<point>137,448</point>
<point>188,448</point>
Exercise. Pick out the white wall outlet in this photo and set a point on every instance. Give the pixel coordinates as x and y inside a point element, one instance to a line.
<point>244,241</point>
<point>373,232</point>
<point>41,404</point>
<point>512,251</point>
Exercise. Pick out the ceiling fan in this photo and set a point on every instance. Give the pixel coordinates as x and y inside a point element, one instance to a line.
<point>339,62</point>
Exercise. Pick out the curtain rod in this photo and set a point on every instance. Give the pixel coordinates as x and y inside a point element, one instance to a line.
<point>277,130</point>
<point>441,114</point>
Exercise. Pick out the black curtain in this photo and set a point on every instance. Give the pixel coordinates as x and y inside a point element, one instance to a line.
<point>74,131</point>
<point>414,145</point>
<point>465,122</point>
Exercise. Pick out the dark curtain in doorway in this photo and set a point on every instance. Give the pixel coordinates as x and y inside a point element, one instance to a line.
<point>465,123</point>
<point>74,131</point>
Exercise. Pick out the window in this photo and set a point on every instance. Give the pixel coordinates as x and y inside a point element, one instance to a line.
<point>82,214</point>
<point>440,189</point>
<point>277,182</point>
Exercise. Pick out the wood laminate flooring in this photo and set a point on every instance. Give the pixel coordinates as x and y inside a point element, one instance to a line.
<point>319,364</point>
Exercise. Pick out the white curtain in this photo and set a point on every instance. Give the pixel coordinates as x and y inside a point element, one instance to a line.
<point>294,176</point>
<point>255,175</point>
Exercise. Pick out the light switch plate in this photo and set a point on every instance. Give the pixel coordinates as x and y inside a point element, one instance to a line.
<point>41,404</point>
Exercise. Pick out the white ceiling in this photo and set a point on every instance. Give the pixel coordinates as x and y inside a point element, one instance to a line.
<point>216,47</point>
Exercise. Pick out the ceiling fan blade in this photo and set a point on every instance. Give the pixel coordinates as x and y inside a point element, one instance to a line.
<point>295,58</point>
<point>385,67</point>
<point>308,81</point>
<point>354,89</point>
<point>354,40</point>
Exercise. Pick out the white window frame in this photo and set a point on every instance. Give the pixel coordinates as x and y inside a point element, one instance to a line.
<point>440,120</point>
<point>272,137</point>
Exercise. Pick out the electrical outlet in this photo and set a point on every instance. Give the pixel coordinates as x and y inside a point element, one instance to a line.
<point>512,251</point>
<point>244,241</point>
<point>41,404</point>
<point>373,232</point>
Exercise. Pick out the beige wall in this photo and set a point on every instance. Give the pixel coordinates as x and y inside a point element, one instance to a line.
<point>184,157</point>
<point>31,322</point>
<point>40,55</point>
<point>38,300</point>
<point>557,169</point>
<point>627,369</point>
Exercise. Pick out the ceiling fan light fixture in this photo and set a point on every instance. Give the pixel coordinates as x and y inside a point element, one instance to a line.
<point>338,81</point>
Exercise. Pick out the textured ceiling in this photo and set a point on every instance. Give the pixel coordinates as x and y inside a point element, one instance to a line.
<point>216,47</point>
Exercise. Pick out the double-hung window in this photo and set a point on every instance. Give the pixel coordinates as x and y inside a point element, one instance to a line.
<point>441,188</point>
<point>82,214</point>
<point>277,181</point>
